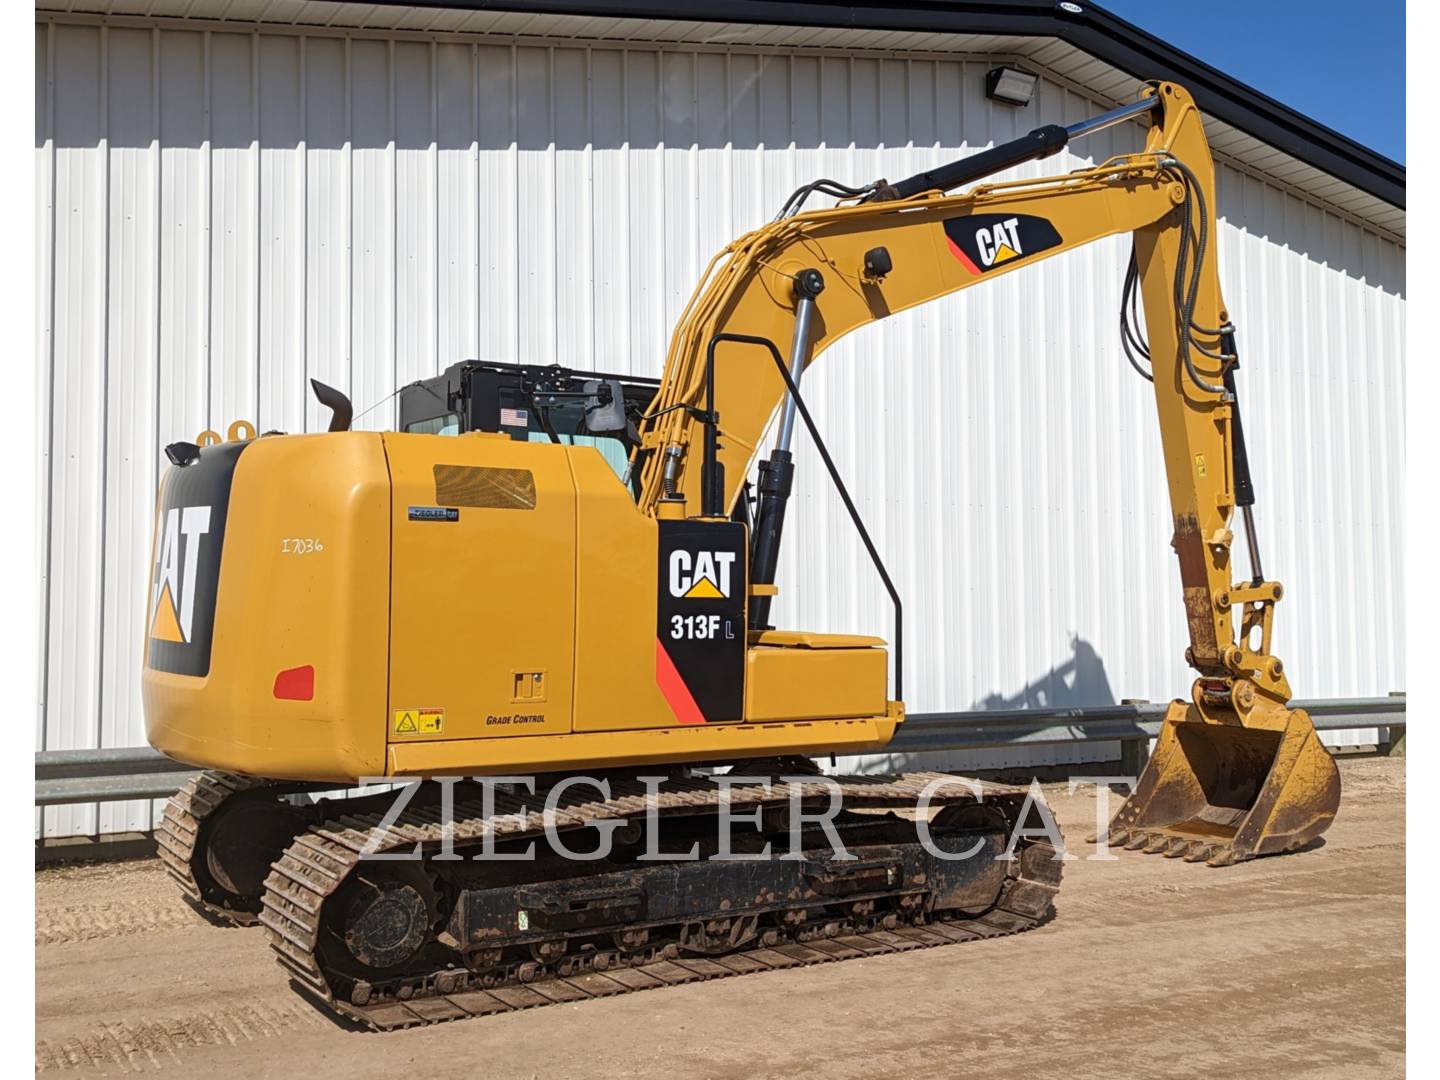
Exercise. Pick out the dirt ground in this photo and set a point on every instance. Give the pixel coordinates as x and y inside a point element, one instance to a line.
<point>1291,966</point>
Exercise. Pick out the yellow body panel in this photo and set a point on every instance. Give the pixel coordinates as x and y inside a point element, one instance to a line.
<point>820,683</point>
<point>481,602</point>
<point>280,608</point>
<point>456,644</point>
<point>618,546</point>
<point>809,640</point>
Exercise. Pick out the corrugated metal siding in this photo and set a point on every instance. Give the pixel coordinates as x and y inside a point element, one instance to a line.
<point>1059,58</point>
<point>225,215</point>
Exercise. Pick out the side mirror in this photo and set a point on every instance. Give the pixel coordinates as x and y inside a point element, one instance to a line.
<point>339,405</point>
<point>605,408</point>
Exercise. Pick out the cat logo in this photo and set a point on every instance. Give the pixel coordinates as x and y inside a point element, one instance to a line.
<point>984,242</point>
<point>999,243</point>
<point>172,598</point>
<point>703,575</point>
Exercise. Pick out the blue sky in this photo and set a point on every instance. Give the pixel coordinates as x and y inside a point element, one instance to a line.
<point>1342,64</point>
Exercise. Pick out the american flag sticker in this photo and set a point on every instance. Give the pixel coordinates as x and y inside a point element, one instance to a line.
<point>514,417</point>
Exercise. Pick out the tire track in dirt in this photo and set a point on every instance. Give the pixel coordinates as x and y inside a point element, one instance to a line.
<point>148,1046</point>
<point>1272,884</point>
<point>92,922</point>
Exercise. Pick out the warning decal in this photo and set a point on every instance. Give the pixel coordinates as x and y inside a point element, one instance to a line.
<point>419,722</point>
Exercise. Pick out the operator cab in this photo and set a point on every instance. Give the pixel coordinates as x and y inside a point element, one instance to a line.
<point>532,404</point>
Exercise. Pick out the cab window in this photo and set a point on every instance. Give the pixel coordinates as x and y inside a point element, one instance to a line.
<point>449,424</point>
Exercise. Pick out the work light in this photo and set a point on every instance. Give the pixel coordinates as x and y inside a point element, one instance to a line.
<point>1013,86</point>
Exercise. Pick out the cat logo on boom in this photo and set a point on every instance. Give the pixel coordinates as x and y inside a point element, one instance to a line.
<point>984,242</point>
<point>701,575</point>
<point>172,598</point>
<point>1000,243</point>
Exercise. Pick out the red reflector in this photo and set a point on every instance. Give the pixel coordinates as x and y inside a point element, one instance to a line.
<point>296,684</point>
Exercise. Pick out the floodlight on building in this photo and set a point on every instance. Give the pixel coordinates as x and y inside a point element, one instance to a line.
<point>1013,86</point>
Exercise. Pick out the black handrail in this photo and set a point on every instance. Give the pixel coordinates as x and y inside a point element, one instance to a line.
<point>710,474</point>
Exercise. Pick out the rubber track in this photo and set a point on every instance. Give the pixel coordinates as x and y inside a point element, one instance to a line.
<point>180,826</point>
<point>320,859</point>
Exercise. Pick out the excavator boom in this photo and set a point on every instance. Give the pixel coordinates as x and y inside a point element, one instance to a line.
<point>1235,773</point>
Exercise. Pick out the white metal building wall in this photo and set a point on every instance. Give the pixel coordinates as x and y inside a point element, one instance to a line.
<point>223,215</point>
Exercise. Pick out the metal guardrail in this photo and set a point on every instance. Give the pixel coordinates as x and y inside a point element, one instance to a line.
<point>80,776</point>
<point>988,730</point>
<point>76,776</point>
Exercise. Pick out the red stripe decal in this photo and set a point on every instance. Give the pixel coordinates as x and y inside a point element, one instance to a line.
<point>964,259</point>
<point>682,702</point>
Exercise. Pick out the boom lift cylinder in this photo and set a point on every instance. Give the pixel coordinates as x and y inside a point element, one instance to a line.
<point>777,474</point>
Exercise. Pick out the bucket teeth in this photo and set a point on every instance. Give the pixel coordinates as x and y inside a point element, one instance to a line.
<point>1157,844</point>
<point>1199,851</point>
<point>1117,837</point>
<point>1137,840</point>
<point>1176,848</point>
<point>1224,856</point>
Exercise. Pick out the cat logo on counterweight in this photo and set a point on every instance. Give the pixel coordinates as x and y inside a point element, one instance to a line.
<point>176,560</point>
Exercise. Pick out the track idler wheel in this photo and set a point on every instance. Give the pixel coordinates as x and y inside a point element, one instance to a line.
<point>244,839</point>
<point>389,918</point>
<point>239,841</point>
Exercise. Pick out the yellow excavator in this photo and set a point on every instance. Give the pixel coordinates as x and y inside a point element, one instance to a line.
<point>561,581</point>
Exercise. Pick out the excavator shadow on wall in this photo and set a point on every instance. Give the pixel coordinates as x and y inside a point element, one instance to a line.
<point>1079,681</point>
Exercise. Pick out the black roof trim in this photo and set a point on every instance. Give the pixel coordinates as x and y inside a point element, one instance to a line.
<point>1092,29</point>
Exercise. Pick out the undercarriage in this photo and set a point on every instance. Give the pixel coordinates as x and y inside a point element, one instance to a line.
<point>396,920</point>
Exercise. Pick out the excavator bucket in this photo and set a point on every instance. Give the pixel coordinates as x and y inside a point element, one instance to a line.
<point>1225,790</point>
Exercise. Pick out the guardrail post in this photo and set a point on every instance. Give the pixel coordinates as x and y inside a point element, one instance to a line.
<point>1134,753</point>
<point>1394,744</point>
